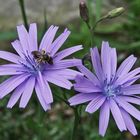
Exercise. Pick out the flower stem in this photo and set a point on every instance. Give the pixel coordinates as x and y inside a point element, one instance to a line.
<point>76,123</point>
<point>45,21</point>
<point>76,115</point>
<point>91,33</point>
<point>22,7</point>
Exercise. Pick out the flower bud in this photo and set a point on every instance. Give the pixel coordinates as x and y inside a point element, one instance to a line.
<point>115,12</point>
<point>84,11</point>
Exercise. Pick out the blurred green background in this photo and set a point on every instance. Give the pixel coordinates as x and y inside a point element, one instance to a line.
<point>33,123</point>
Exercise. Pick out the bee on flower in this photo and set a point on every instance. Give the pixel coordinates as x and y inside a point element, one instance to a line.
<point>34,66</point>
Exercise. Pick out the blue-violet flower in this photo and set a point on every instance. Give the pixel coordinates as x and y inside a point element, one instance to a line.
<point>35,66</point>
<point>109,89</point>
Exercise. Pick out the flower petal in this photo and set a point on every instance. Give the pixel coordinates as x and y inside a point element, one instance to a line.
<point>45,37</point>
<point>95,104</point>
<point>131,90</point>
<point>62,54</point>
<point>33,37</point>
<point>84,85</point>
<point>127,77</point>
<point>17,46</point>
<point>96,62</point>
<point>24,38</point>
<point>104,118</point>
<point>49,92</point>
<point>10,57</point>
<point>11,83</point>
<point>106,60</point>
<point>27,92</point>
<point>59,42</point>
<point>9,72</point>
<point>129,108</point>
<point>89,75</point>
<point>48,38</point>
<point>40,98</point>
<point>64,64</point>
<point>128,122</point>
<point>117,115</point>
<point>59,81</point>
<point>11,69</point>
<point>133,100</point>
<point>45,89</point>
<point>113,62</point>
<point>131,81</point>
<point>82,98</point>
<point>86,88</point>
<point>126,65</point>
<point>16,95</point>
<point>66,73</point>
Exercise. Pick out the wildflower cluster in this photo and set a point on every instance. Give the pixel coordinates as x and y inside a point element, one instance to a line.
<point>107,89</point>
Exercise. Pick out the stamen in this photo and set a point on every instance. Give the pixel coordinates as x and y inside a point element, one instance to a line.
<point>30,64</point>
<point>110,91</point>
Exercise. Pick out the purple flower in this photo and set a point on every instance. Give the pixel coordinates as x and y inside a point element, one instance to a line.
<point>35,66</point>
<point>109,89</point>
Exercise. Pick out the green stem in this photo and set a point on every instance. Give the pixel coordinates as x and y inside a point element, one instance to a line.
<point>22,7</point>
<point>92,36</point>
<point>91,33</point>
<point>76,114</point>
<point>92,29</point>
<point>45,21</point>
<point>76,123</point>
<point>97,22</point>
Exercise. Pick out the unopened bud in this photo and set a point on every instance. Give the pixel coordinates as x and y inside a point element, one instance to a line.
<point>115,12</point>
<point>84,11</point>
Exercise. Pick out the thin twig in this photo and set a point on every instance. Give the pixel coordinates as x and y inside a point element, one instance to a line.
<point>22,7</point>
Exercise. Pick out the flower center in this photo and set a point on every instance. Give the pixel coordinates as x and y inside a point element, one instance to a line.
<point>110,90</point>
<point>33,65</point>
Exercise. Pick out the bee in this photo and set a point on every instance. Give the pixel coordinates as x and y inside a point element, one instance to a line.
<point>42,57</point>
